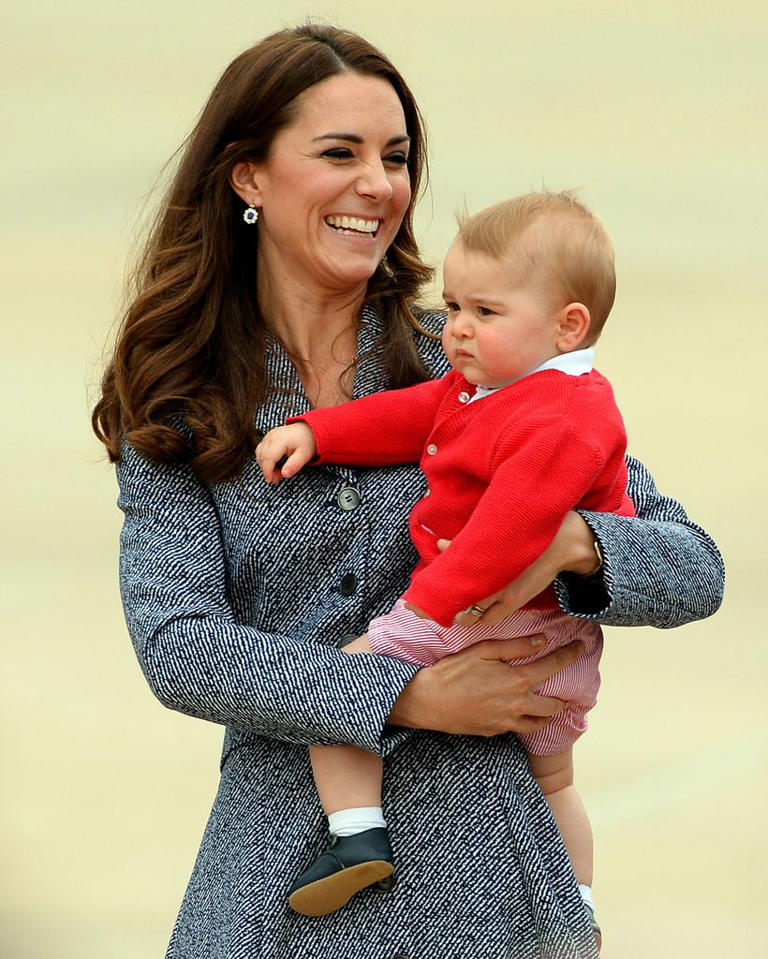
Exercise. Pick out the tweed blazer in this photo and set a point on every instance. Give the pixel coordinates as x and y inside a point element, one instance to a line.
<point>237,596</point>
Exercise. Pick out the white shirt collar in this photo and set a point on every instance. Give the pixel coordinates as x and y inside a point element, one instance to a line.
<point>575,363</point>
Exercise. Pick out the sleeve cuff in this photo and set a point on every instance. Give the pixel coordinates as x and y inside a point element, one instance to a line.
<point>586,596</point>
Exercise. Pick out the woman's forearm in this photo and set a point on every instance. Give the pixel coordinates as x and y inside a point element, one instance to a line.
<point>198,659</point>
<point>659,568</point>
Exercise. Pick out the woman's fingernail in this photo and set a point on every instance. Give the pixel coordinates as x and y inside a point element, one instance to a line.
<point>538,640</point>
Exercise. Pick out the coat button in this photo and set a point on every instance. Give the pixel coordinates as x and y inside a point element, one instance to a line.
<point>464,397</point>
<point>346,639</point>
<point>348,498</point>
<point>348,584</point>
<point>431,449</point>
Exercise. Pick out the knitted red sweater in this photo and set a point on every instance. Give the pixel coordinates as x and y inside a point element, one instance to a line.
<point>502,472</point>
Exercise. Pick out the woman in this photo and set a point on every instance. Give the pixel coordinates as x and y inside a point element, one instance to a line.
<point>280,275</point>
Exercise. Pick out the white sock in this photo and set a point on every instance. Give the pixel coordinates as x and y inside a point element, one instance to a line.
<point>586,895</point>
<point>349,822</point>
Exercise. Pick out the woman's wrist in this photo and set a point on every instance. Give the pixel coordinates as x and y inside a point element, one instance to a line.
<point>410,705</point>
<point>581,552</point>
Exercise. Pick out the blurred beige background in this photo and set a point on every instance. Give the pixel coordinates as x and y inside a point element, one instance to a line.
<point>658,113</point>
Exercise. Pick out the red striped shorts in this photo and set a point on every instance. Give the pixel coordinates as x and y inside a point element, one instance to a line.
<point>403,635</point>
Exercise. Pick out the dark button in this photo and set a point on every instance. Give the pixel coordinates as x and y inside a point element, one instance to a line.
<point>346,639</point>
<point>348,498</point>
<point>348,584</point>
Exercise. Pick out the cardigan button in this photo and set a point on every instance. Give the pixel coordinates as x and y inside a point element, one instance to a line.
<point>431,449</point>
<point>464,397</point>
<point>348,498</point>
<point>348,584</point>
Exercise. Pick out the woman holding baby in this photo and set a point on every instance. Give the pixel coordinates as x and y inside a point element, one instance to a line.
<point>281,275</point>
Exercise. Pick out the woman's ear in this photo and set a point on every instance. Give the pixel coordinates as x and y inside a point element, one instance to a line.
<point>573,327</point>
<point>244,180</point>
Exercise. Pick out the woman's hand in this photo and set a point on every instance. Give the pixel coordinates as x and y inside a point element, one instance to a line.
<point>295,443</point>
<point>480,692</point>
<point>572,549</point>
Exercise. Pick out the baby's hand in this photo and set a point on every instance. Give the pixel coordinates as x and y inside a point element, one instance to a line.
<point>294,441</point>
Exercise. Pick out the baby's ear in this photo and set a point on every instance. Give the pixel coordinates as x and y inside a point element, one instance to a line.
<point>573,326</point>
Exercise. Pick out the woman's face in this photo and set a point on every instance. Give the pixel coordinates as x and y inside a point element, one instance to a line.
<point>335,185</point>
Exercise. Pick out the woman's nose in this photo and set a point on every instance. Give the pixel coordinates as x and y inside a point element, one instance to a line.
<point>374,182</point>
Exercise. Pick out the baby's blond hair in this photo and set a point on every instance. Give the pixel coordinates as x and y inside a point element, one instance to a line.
<point>553,239</point>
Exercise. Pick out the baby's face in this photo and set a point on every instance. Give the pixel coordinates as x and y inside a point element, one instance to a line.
<point>496,331</point>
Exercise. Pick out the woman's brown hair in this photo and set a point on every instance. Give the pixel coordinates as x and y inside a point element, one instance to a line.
<point>191,345</point>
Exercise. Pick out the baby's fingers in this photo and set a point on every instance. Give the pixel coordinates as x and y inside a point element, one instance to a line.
<point>268,455</point>
<point>298,458</point>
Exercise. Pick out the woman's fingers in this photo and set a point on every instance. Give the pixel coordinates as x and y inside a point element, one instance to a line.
<point>573,549</point>
<point>482,692</point>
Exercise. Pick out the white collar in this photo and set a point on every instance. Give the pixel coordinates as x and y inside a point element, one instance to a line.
<point>575,363</point>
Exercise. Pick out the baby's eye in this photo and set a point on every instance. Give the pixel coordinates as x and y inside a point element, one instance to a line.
<point>484,311</point>
<point>337,153</point>
<point>451,306</point>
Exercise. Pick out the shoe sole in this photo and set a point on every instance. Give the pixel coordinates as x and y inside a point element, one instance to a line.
<point>323,896</point>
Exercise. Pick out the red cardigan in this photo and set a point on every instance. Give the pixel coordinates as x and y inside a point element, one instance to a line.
<point>502,472</point>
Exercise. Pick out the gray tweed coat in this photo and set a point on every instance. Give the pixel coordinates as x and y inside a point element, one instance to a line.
<point>237,596</point>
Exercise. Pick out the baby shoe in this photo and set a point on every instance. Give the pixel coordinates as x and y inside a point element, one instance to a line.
<point>350,864</point>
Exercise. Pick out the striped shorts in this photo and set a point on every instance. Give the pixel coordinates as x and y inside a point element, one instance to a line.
<point>403,635</point>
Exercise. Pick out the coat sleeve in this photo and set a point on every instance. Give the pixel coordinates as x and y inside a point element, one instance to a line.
<point>660,568</point>
<point>199,660</point>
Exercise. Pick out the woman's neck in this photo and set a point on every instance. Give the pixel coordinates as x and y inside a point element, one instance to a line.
<point>319,332</point>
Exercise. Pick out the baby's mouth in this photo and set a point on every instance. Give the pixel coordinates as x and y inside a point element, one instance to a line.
<point>353,225</point>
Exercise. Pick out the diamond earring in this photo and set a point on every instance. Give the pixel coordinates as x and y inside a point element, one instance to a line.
<point>250,215</point>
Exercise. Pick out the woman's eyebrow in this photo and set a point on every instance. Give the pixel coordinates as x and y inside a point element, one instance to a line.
<point>356,138</point>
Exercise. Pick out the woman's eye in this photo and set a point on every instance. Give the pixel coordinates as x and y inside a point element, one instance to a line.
<point>338,153</point>
<point>398,159</point>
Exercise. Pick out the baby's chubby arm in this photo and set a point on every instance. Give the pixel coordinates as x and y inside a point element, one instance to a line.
<point>295,443</point>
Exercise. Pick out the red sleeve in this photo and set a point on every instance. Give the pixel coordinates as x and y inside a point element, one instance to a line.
<point>381,429</point>
<point>515,520</point>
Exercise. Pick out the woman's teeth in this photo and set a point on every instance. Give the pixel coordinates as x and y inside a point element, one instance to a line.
<point>353,225</point>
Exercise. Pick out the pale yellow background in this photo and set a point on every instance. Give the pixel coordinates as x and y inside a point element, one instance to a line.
<point>657,111</point>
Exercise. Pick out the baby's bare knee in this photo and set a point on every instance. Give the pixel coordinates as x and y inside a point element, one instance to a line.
<point>553,773</point>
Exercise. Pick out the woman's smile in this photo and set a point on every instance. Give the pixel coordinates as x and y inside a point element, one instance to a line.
<point>353,225</point>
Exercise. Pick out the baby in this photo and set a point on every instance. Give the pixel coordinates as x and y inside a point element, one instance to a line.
<point>521,431</point>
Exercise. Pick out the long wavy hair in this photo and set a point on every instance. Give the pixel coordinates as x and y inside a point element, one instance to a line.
<point>190,348</point>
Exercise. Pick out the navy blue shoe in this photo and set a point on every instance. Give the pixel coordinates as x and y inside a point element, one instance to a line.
<point>350,864</point>
<point>596,930</point>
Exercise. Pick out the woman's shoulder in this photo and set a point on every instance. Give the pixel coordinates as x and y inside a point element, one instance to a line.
<point>427,335</point>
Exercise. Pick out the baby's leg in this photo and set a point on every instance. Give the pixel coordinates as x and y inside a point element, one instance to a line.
<point>554,774</point>
<point>348,782</point>
<point>346,776</point>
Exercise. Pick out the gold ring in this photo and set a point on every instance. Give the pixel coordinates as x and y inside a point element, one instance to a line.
<point>476,610</point>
